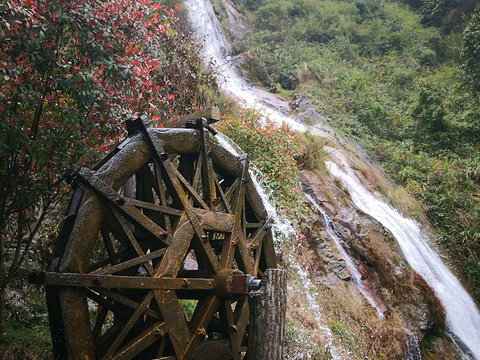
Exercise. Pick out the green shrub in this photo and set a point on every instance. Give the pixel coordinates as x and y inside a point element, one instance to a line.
<point>272,149</point>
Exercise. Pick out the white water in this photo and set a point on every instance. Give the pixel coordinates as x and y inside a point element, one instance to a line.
<point>279,226</point>
<point>351,267</point>
<point>216,52</point>
<point>462,315</point>
<point>463,318</point>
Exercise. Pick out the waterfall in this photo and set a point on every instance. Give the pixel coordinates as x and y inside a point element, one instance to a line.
<point>463,318</point>
<point>351,267</point>
<point>216,52</point>
<point>462,315</point>
<point>286,229</point>
<point>412,351</point>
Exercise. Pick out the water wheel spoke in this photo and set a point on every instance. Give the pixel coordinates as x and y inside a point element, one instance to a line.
<point>117,308</point>
<point>258,235</point>
<point>193,193</point>
<point>269,252</point>
<point>257,258</point>
<point>231,189</point>
<point>242,255</point>
<point>238,205</point>
<point>112,300</point>
<point>208,174</point>
<point>223,197</point>
<point>119,203</point>
<point>101,317</point>
<point>141,342</point>
<point>133,241</point>
<point>175,322</point>
<point>159,188</point>
<point>154,207</point>
<point>135,262</point>
<point>241,317</point>
<point>203,315</point>
<point>129,324</point>
<point>198,172</point>
<point>230,330</point>
<point>109,245</point>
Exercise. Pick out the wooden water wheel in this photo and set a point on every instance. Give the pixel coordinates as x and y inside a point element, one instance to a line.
<point>157,252</point>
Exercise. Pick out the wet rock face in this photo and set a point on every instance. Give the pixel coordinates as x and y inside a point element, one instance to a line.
<point>236,27</point>
<point>398,289</point>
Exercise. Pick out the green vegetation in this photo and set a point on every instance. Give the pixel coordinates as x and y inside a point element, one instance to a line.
<point>400,77</point>
<point>27,335</point>
<point>272,150</point>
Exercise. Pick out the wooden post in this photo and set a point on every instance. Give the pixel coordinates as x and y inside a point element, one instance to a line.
<point>267,317</point>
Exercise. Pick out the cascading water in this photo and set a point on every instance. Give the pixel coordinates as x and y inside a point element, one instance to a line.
<point>412,351</point>
<point>351,267</point>
<point>463,318</point>
<point>462,315</point>
<point>216,51</point>
<point>285,230</point>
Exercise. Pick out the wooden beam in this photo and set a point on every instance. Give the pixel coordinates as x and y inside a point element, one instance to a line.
<point>127,282</point>
<point>212,114</point>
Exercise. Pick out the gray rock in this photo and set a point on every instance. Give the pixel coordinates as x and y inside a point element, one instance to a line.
<point>300,102</point>
<point>310,116</point>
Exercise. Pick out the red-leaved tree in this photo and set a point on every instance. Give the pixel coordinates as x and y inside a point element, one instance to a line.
<point>70,72</point>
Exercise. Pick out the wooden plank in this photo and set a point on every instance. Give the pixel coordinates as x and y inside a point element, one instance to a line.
<point>127,282</point>
<point>133,241</point>
<point>107,240</point>
<point>102,315</point>
<point>130,263</point>
<point>129,325</point>
<point>161,195</point>
<point>229,245</point>
<point>127,210</point>
<point>108,304</point>
<point>231,330</point>
<point>258,235</point>
<point>141,342</point>
<point>241,316</point>
<point>154,207</point>
<point>191,190</point>
<point>202,317</point>
<point>223,198</point>
<point>174,320</point>
<point>212,114</point>
<point>116,298</point>
<point>198,172</point>
<point>208,175</point>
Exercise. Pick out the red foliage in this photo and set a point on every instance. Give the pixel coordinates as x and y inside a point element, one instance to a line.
<point>70,73</point>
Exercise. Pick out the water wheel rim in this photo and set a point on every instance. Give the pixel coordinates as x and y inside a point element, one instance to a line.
<point>154,155</point>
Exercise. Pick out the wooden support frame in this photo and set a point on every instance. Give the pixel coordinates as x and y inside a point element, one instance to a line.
<point>125,258</point>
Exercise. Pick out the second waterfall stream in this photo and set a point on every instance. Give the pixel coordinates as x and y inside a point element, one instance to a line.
<point>462,315</point>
